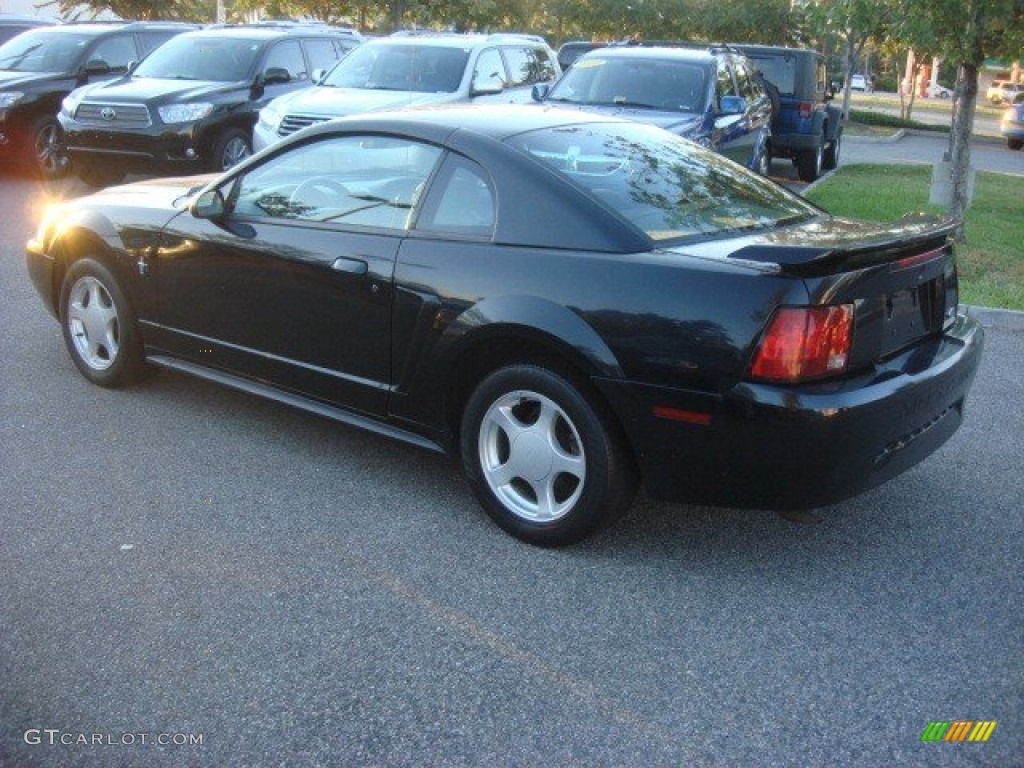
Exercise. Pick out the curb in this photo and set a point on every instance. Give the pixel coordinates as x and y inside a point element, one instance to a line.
<point>854,139</point>
<point>1000,319</point>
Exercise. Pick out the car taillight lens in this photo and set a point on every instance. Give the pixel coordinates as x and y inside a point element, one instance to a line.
<point>804,343</point>
<point>806,109</point>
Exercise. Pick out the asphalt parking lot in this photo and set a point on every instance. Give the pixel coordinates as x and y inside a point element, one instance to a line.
<point>194,577</point>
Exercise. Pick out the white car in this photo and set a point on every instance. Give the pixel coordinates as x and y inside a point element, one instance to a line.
<point>861,83</point>
<point>936,91</point>
<point>404,71</point>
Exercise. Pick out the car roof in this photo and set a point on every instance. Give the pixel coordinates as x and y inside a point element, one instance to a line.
<point>451,40</point>
<point>682,53</point>
<point>262,32</point>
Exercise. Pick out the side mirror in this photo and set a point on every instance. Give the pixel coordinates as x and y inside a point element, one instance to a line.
<point>209,205</point>
<point>732,105</point>
<point>276,75</point>
<point>490,88</point>
<point>97,67</point>
<point>540,91</point>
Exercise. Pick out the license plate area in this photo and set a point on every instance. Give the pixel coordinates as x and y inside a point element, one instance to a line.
<point>912,313</point>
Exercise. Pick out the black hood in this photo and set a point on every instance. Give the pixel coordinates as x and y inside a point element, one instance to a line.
<point>145,90</point>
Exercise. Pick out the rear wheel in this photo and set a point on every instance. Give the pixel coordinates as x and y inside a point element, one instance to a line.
<point>1015,143</point>
<point>830,159</point>
<point>545,463</point>
<point>809,162</point>
<point>98,326</point>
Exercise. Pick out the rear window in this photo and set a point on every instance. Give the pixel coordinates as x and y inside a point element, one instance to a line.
<point>780,71</point>
<point>666,186</point>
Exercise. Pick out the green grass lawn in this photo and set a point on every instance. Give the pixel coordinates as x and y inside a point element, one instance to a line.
<point>991,262</point>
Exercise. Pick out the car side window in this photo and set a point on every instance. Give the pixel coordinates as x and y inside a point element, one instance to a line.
<point>287,55</point>
<point>749,88</point>
<point>362,180</point>
<point>116,52</point>
<point>461,201</point>
<point>322,54</point>
<point>724,85</point>
<point>526,66</point>
<point>490,70</point>
<point>150,41</point>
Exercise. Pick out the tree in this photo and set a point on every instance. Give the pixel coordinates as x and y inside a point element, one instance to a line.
<point>965,33</point>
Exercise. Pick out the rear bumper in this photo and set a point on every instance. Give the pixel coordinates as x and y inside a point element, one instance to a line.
<point>771,447</point>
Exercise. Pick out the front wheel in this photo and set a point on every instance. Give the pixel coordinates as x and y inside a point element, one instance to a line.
<point>48,159</point>
<point>98,326</point>
<point>545,463</point>
<point>232,147</point>
<point>1015,143</point>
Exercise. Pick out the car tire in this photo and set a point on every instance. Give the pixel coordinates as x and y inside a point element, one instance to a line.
<point>98,326</point>
<point>232,147</point>
<point>830,158</point>
<point>97,175</point>
<point>547,464</point>
<point>809,162</point>
<point>1015,143</point>
<point>763,164</point>
<point>48,161</point>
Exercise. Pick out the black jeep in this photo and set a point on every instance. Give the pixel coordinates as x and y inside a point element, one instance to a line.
<point>806,127</point>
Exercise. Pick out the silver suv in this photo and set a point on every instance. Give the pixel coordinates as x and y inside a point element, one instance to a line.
<point>408,71</point>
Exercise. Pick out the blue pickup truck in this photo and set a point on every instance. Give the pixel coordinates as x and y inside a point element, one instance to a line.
<point>806,126</point>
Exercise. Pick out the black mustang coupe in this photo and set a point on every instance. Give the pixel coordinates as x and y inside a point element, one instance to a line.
<point>572,304</point>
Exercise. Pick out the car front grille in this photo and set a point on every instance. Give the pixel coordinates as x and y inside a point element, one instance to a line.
<point>116,115</point>
<point>293,123</point>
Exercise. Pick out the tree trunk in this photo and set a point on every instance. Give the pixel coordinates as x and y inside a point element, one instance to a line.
<point>963,120</point>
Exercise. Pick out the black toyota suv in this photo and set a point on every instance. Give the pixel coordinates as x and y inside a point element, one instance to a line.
<point>41,66</point>
<point>806,128</point>
<point>191,106</point>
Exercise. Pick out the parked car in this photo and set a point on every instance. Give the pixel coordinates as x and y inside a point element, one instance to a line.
<point>192,105</point>
<point>1012,123</point>
<point>38,68</point>
<point>862,83</point>
<point>408,70</point>
<point>12,24</point>
<point>569,52</point>
<point>705,93</point>
<point>938,91</point>
<point>570,303</point>
<point>994,93</point>
<point>807,127</point>
<point>1009,92</point>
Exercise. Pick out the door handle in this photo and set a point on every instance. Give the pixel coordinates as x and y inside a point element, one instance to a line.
<point>349,266</point>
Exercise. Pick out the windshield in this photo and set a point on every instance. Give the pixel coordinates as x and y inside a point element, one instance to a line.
<point>419,68</point>
<point>201,58</point>
<point>643,83</point>
<point>43,51</point>
<point>667,186</point>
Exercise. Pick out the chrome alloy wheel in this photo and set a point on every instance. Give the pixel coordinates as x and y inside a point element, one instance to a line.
<point>235,151</point>
<point>532,456</point>
<point>47,150</point>
<point>93,322</point>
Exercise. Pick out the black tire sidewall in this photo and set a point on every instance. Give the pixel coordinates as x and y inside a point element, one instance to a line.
<point>609,485</point>
<point>216,162</point>
<point>128,365</point>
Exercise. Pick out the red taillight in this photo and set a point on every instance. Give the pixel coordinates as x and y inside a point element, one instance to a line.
<point>806,109</point>
<point>805,343</point>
